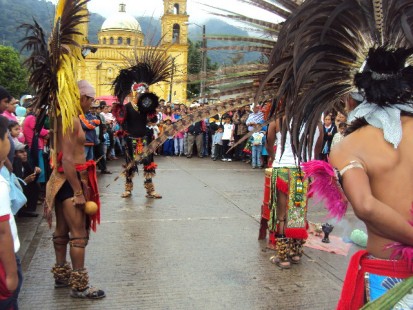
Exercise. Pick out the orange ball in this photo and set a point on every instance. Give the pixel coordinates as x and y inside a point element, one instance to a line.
<point>91,208</point>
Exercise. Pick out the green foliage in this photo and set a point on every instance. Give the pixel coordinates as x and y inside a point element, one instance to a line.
<point>13,76</point>
<point>14,13</point>
<point>195,66</point>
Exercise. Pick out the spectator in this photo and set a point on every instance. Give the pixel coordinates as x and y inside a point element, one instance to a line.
<point>89,123</point>
<point>20,114</point>
<point>15,132</point>
<point>11,276</point>
<point>168,146</point>
<point>167,114</point>
<point>106,141</point>
<point>330,130</point>
<point>26,172</point>
<point>217,143</point>
<point>339,135</point>
<point>255,118</point>
<point>257,141</point>
<point>106,112</point>
<point>195,136</point>
<point>98,148</point>
<point>227,137</point>
<point>240,121</point>
<point>10,112</point>
<point>36,146</point>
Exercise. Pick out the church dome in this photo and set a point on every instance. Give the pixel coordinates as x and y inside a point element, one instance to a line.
<point>121,21</point>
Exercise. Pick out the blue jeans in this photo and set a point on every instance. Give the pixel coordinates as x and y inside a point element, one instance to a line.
<point>256,156</point>
<point>11,302</point>
<point>89,152</point>
<point>179,146</point>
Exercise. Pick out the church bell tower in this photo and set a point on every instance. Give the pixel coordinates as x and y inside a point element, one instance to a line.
<point>175,22</point>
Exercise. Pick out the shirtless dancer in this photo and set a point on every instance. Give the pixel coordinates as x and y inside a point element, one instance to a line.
<point>377,174</point>
<point>67,191</point>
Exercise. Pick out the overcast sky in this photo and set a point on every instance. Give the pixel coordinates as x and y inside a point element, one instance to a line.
<point>195,8</point>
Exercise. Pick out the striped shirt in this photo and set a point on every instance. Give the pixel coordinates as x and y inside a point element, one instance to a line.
<point>257,118</point>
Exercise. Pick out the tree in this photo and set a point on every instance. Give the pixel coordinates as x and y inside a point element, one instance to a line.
<point>13,76</point>
<point>194,67</point>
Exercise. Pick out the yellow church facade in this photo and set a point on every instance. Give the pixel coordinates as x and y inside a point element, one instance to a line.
<point>121,37</point>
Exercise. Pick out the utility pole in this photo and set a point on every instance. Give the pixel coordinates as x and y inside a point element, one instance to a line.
<point>172,80</point>
<point>204,65</point>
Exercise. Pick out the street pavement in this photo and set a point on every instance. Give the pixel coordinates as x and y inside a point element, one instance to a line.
<point>196,248</point>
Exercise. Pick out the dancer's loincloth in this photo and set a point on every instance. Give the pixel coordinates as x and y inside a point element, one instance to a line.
<point>290,181</point>
<point>369,278</point>
<point>149,166</point>
<point>59,188</point>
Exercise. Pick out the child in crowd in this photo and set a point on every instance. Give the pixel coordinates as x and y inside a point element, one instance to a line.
<point>116,141</point>
<point>340,134</point>
<point>106,141</point>
<point>227,137</point>
<point>25,171</point>
<point>16,133</point>
<point>10,269</point>
<point>168,146</point>
<point>217,143</point>
<point>257,142</point>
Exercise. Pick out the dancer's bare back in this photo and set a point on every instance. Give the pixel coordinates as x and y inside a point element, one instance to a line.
<point>382,193</point>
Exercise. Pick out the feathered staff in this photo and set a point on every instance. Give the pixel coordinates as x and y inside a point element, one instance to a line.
<point>320,49</point>
<point>242,81</point>
<point>53,63</point>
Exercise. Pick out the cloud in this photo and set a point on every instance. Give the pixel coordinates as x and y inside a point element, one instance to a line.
<point>196,10</point>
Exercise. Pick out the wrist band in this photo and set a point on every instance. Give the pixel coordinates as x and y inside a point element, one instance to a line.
<point>78,193</point>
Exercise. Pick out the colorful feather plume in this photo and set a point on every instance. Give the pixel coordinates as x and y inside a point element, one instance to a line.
<point>150,66</point>
<point>53,63</point>
<point>402,251</point>
<point>325,186</point>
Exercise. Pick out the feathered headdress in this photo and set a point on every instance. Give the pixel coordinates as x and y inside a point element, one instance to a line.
<point>148,67</point>
<point>53,63</point>
<point>322,46</point>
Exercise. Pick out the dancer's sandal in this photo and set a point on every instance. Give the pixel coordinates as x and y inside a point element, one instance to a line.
<point>154,195</point>
<point>282,264</point>
<point>89,292</point>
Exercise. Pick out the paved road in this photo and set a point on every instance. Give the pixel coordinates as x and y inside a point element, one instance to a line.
<point>196,248</point>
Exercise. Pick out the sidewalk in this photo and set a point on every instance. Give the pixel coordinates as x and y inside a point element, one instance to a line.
<point>196,248</point>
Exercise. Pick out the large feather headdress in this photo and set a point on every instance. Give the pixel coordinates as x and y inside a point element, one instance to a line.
<point>147,67</point>
<point>320,49</point>
<point>53,63</point>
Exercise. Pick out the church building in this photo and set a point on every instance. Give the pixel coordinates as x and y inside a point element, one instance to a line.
<point>121,37</point>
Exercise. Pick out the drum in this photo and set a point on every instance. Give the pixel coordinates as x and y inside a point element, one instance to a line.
<point>265,211</point>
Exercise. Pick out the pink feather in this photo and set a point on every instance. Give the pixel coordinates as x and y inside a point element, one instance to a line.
<point>402,251</point>
<point>324,183</point>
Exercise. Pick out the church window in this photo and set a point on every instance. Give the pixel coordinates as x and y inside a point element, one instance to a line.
<point>176,9</point>
<point>120,41</point>
<point>128,41</point>
<point>111,41</point>
<point>104,40</point>
<point>175,33</point>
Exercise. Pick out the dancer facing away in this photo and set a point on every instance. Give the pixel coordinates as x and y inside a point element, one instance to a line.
<point>288,196</point>
<point>71,184</point>
<point>376,167</point>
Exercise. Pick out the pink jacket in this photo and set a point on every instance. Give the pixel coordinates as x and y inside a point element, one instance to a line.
<point>28,131</point>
